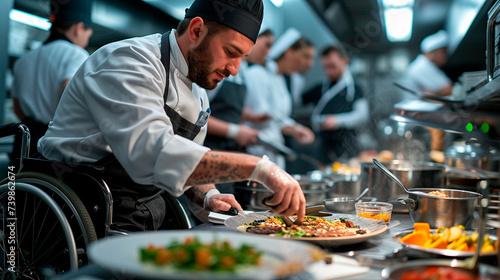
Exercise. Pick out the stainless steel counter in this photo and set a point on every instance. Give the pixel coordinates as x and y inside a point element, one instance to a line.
<point>376,253</point>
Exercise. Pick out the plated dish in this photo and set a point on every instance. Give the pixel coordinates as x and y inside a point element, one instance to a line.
<point>442,252</point>
<point>370,227</point>
<point>122,254</point>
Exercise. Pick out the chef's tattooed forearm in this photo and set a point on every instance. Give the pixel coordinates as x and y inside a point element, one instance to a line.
<point>217,168</point>
<point>196,194</point>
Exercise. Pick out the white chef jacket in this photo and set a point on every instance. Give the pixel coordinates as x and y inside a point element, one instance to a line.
<point>267,93</point>
<point>38,76</point>
<point>422,74</point>
<point>115,102</point>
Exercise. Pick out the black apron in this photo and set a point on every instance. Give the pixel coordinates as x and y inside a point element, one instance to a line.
<point>227,105</point>
<point>146,207</point>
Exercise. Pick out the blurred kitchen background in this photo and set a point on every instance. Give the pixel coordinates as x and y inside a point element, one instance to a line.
<point>378,56</point>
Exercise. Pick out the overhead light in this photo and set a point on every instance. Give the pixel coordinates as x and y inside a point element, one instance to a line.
<point>398,24</point>
<point>30,19</point>
<point>398,19</point>
<point>277,3</point>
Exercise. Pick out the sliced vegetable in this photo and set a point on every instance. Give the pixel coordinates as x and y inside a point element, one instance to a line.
<point>417,238</point>
<point>454,238</point>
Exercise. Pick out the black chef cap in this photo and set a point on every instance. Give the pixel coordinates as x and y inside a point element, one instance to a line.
<point>71,11</point>
<point>244,16</point>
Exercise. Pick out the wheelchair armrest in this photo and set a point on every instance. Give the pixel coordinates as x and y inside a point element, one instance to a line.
<point>9,129</point>
<point>59,168</point>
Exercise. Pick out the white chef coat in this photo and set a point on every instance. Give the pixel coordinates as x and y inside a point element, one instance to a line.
<point>38,76</point>
<point>115,102</point>
<point>422,74</point>
<point>267,93</point>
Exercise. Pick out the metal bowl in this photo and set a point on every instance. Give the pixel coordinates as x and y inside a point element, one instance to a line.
<point>344,204</point>
<point>485,272</point>
<point>457,209</point>
<point>251,196</point>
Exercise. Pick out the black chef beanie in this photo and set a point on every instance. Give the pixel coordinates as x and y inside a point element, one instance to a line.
<point>244,16</point>
<point>71,11</point>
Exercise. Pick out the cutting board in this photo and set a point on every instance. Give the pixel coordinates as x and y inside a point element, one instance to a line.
<point>339,268</point>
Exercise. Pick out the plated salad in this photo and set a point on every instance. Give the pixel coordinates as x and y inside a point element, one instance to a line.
<point>194,255</point>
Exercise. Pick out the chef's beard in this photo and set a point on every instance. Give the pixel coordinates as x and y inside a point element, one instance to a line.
<point>199,61</point>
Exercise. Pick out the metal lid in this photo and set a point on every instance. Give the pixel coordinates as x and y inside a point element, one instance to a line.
<point>465,151</point>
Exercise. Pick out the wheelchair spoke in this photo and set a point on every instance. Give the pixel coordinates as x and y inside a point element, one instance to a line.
<point>47,234</point>
<point>60,238</point>
<point>23,230</point>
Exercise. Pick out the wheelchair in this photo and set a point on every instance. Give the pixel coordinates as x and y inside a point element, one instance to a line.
<point>51,211</point>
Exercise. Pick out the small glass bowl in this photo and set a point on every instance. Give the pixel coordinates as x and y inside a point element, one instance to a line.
<point>374,210</point>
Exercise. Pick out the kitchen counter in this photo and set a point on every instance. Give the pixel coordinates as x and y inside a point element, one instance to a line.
<point>376,253</point>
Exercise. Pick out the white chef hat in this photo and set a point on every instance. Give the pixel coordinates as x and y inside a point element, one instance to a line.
<point>284,42</point>
<point>435,41</point>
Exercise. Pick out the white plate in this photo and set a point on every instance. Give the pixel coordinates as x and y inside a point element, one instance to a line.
<point>122,254</point>
<point>442,252</point>
<point>374,227</point>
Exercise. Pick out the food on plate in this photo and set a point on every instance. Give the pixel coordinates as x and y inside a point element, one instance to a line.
<point>194,255</point>
<point>454,238</point>
<point>310,227</point>
<point>438,193</point>
<point>439,273</point>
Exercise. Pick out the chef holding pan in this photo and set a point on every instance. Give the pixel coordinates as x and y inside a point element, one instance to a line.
<point>139,108</point>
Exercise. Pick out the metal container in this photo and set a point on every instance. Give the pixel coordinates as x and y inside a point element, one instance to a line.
<point>345,186</point>
<point>396,272</point>
<point>344,204</point>
<point>406,141</point>
<point>314,187</point>
<point>457,209</point>
<point>471,157</point>
<point>421,175</point>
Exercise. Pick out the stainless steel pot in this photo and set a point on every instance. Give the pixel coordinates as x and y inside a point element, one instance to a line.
<point>473,156</point>
<point>406,141</point>
<point>315,189</point>
<point>345,186</point>
<point>423,174</point>
<point>457,209</point>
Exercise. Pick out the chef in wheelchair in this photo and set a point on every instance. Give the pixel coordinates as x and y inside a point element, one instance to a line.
<point>127,140</point>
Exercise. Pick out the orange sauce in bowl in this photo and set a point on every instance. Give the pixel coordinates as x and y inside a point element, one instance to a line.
<point>386,217</point>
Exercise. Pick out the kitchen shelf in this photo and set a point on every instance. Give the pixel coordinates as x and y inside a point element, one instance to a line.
<point>450,118</point>
<point>466,116</point>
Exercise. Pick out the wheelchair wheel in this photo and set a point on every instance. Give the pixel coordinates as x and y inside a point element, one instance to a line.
<point>43,248</point>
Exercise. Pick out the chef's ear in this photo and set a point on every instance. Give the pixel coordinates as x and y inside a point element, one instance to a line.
<point>196,29</point>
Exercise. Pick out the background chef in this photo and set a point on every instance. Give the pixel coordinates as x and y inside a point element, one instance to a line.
<point>41,75</point>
